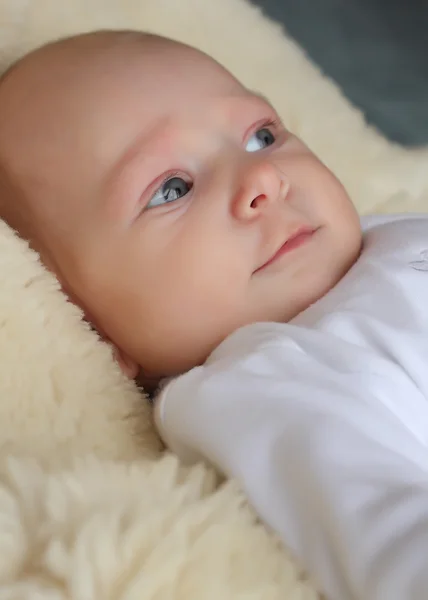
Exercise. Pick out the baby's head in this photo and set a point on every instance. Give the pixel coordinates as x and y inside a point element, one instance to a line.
<point>169,200</point>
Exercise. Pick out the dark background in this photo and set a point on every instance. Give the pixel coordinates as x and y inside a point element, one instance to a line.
<point>376,50</point>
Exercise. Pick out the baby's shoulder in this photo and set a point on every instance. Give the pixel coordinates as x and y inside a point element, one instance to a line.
<point>403,236</point>
<point>387,285</point>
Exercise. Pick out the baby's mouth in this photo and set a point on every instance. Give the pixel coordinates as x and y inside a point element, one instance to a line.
<point>296,240</point>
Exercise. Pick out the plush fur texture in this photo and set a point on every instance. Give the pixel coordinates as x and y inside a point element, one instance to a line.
<point>89,507</point>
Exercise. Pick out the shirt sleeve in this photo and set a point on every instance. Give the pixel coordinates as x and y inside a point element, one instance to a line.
<point>322,458</point>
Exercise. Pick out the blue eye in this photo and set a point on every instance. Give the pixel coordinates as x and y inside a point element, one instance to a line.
<point>260,139</point>
<point>172,189</point>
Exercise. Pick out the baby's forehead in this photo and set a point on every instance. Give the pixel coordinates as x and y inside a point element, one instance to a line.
<point>79,102</point>
<point>97,70</point>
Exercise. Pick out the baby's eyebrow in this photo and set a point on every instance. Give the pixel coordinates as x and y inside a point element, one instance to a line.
<point>262,97</point>
<point>138,147</point>
<point>120,180</point>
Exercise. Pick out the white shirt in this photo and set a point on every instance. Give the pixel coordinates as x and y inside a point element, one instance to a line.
<point>324,420</point>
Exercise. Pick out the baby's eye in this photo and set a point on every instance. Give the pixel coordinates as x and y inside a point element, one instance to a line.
<point>171,189</point>
<point>260,139</point>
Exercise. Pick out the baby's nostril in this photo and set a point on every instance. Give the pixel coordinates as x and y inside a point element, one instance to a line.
<point>256,201</point>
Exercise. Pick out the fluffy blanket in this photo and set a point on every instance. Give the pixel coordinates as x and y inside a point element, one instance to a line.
<point>90,507</point>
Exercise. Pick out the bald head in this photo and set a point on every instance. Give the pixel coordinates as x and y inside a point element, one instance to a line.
<point>73,110</point>
<point>68,109</point>
<point>38,111</point>
<point>46,101</point>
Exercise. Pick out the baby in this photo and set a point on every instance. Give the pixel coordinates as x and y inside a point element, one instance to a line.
<point>176,209</point>
<point>162,192</point>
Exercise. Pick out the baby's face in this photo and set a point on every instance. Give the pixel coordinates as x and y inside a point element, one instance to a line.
<point>171,201</point>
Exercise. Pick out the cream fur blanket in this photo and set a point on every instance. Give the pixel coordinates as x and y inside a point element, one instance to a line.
<point>89,508</point>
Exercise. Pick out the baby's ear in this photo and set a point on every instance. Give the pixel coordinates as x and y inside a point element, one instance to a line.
<point>129,367</point>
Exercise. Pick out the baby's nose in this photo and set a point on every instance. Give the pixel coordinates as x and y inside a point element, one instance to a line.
<point>262,185</point>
